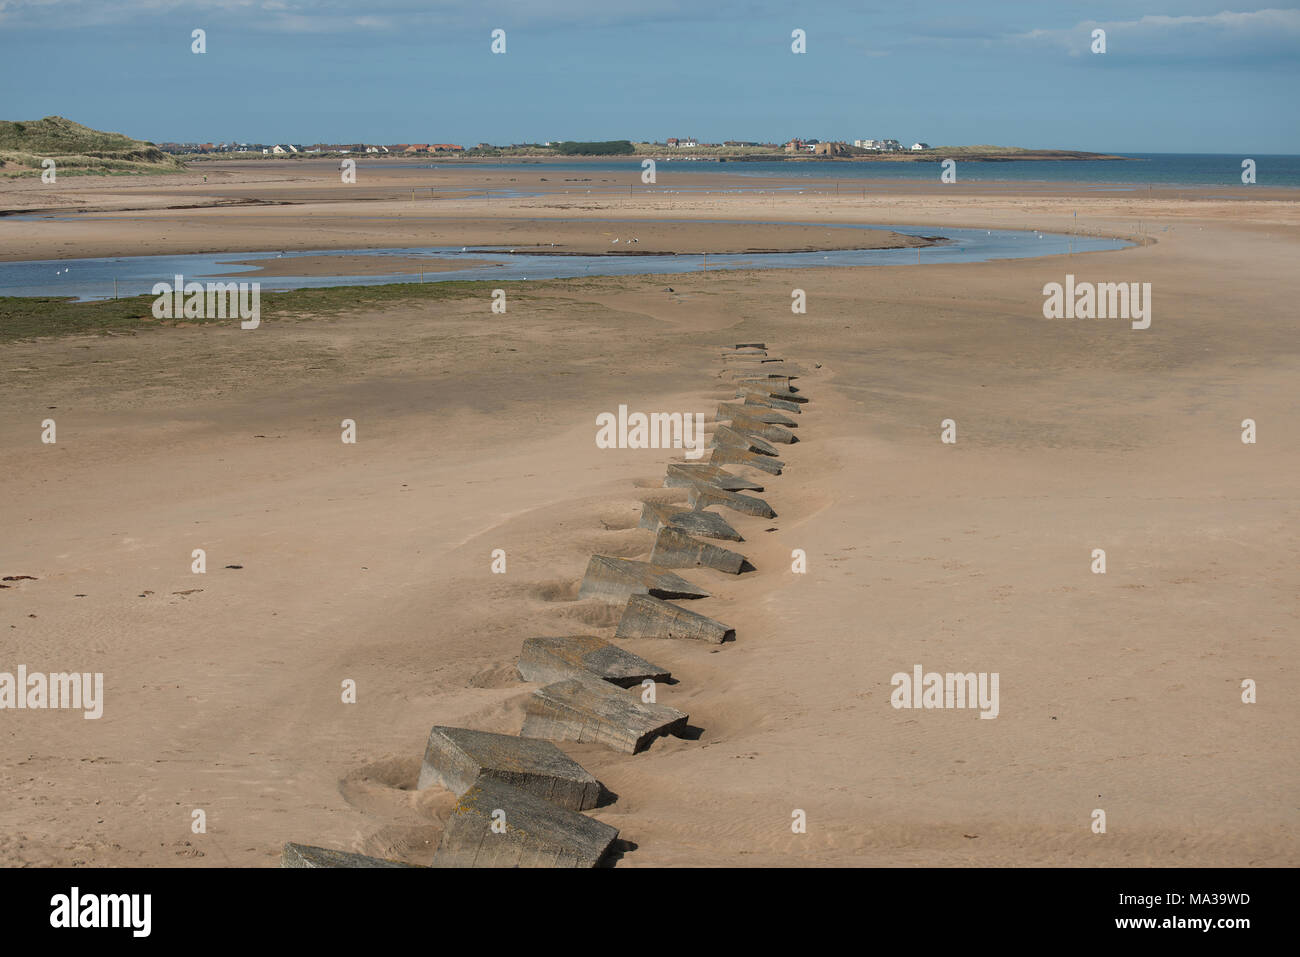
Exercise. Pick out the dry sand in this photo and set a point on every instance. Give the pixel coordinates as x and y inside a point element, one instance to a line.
<point>371,562</point>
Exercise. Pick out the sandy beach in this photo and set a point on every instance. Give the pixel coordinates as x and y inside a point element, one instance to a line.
<point>371,562</point>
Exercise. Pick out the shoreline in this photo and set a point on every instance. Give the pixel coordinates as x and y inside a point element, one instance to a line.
<point>398,266</point>
<point>260,208</point>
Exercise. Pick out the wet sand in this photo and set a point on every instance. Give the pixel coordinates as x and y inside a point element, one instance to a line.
<point>351,265</point>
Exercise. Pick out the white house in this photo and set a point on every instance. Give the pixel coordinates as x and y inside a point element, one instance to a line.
<point>278,150</point>
<point>920,146</point>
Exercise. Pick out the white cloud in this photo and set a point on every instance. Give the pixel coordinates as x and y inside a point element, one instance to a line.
<point>1222,34</point>
<point>333,15</point>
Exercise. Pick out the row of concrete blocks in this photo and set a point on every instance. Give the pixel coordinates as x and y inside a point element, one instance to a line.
<point>521,797</point>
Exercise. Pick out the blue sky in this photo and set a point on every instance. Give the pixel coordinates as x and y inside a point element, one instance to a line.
<point>1187,76</point>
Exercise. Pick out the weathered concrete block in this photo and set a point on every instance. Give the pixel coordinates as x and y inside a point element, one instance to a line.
<point>730,410</point>
<point>646,617</point>
<point>307,855</point>
<point>613,579</point>
<point>768,380</point>
<point>727,455</point>
<point>456,758</point>
<point>684,476</point>
<point>769,433</point>
<point>675,549</point>
<point>655,516</point>
<point>584,710</point>
<point>765,401</point>
<point>702,497</point>
<point>771,393</point>
<point>758,368</point>
<point>546,660</point>
<point>751,345</point>
<point>533,832</point>
<point>724,435</point>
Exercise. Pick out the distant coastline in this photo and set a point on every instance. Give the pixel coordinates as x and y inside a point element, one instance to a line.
<point>969,154</point>
<point>964,153</point>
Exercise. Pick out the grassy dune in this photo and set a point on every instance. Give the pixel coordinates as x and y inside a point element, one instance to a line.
<point>76,150</point>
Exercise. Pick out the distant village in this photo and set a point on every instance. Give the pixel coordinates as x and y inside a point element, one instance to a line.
<point>802,146</point>
<point>813,146</point>
<point>286,149</point>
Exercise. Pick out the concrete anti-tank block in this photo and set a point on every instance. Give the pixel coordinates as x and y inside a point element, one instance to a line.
<point>546,660</point>
<point>730,410</point>
<point>684,476</point>
<point>701,497</point>
<point>656,515</point>
<point>585,710</point>
<point>497,825</point>
<point>456,758</point>
<point>613,579</point>
<point>727,455</point>
<point>751,425</point>
<point>765,401</point>
<point>676,549</point>
<point>646,617</point>
<point>724,435</point>
<point>771,394</point>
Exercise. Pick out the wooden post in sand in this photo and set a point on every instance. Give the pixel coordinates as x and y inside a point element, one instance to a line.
<point>114,287</point>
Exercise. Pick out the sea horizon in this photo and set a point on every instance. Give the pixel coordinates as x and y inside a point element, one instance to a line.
<point>1278,170</point>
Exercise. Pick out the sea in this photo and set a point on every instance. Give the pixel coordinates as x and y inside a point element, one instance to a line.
<point>1135,171</point>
